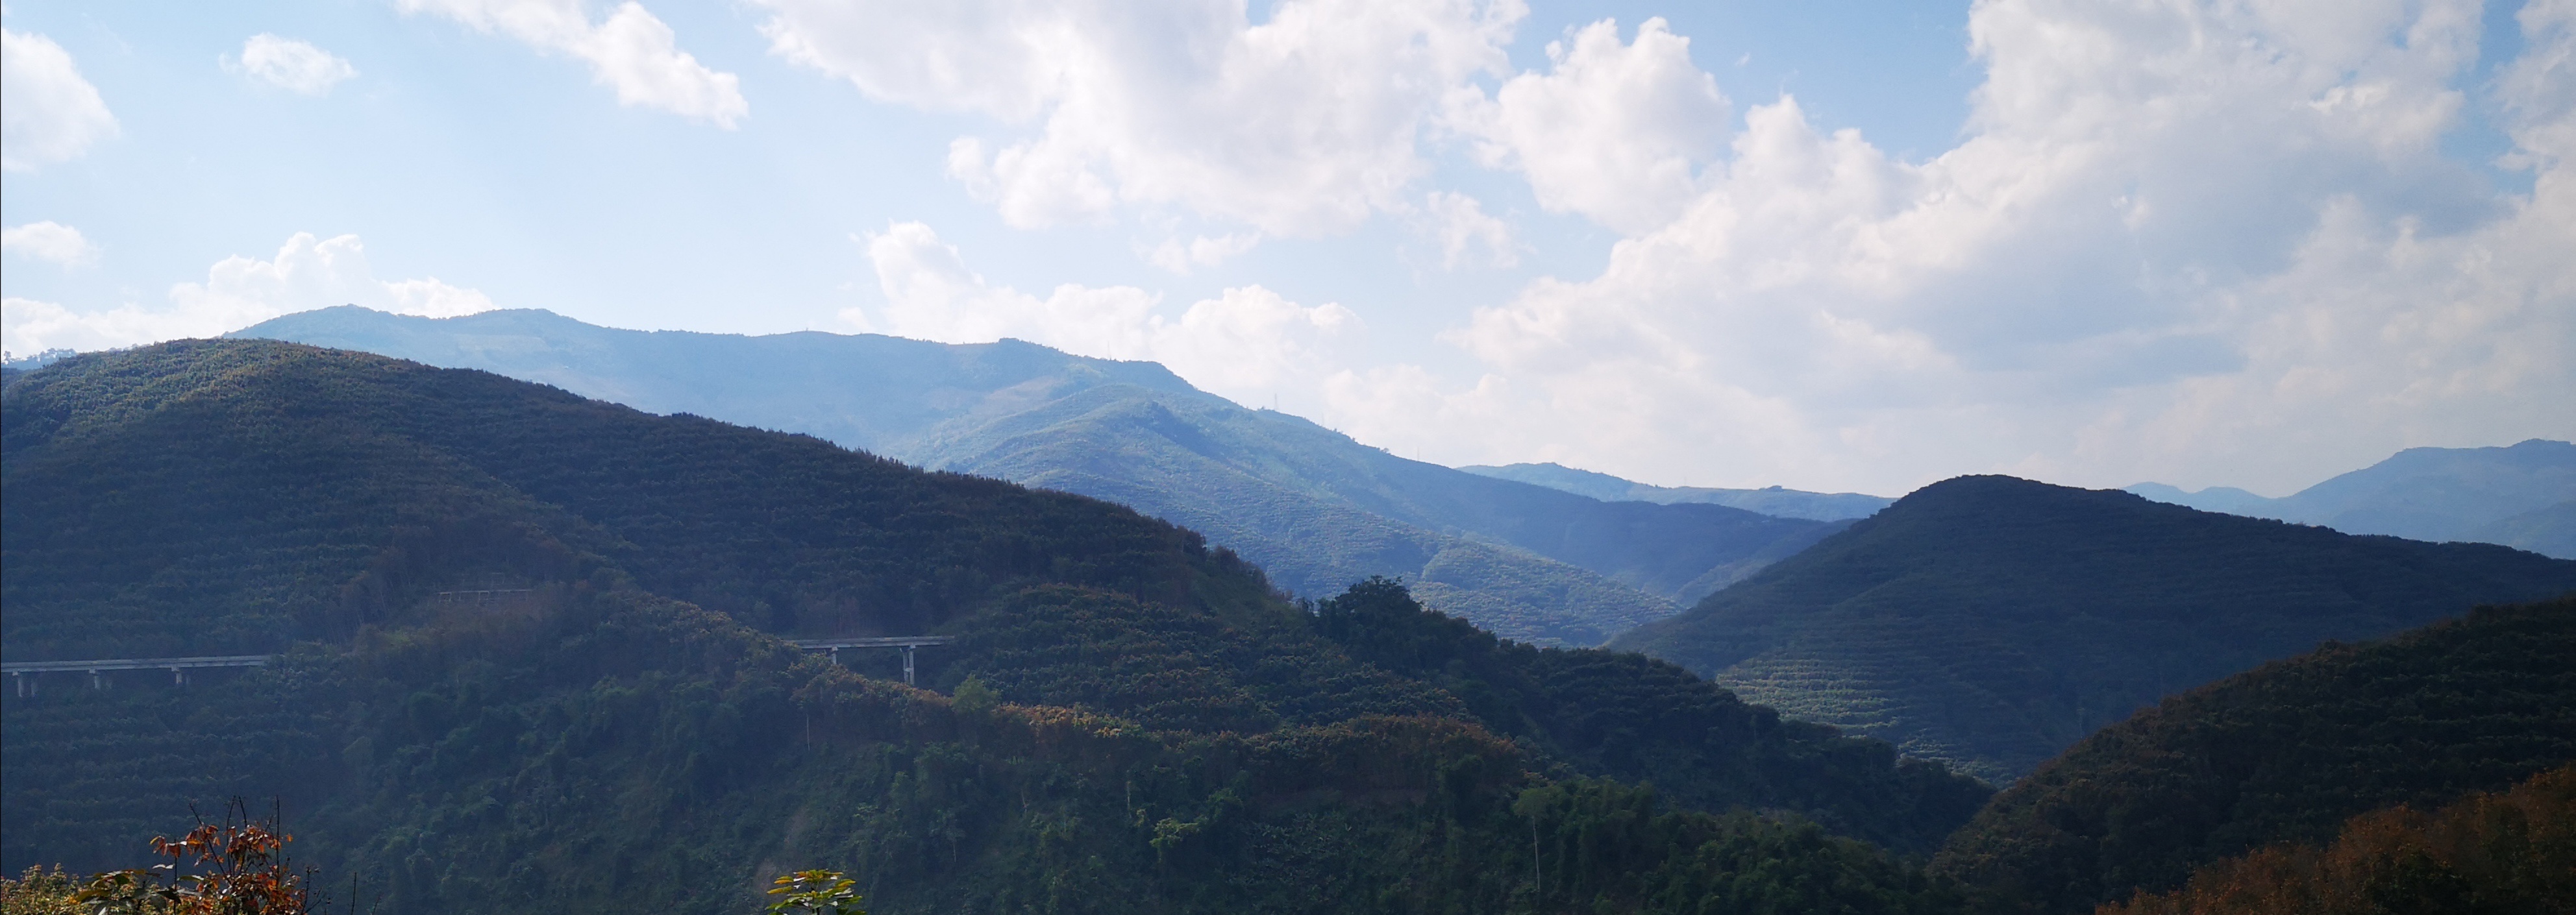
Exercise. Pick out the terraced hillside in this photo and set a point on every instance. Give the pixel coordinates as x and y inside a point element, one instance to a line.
<point>1991,622</point>
<point>600,743</point>
<point>2283,753</point>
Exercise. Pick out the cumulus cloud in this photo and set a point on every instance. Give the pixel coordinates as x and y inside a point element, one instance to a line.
<point>1461,224</point>
<point>631,51</point>
<point>292,65</point>
<point>1246,343</point>
<point>307,273</point>
<point>1614,132</point>
<point>1304,124</point>
<point>49,241</point>
<point>2211,243</point>
<point>48,113</point>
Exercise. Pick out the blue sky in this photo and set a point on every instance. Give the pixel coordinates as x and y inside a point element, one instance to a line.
<point>1827,245</point>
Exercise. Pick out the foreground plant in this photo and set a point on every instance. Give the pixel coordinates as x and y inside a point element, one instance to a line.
<point>239,866</point>
<point>815,892</point>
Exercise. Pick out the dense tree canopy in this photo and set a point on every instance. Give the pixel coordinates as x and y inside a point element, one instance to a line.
<point>2282,753</point>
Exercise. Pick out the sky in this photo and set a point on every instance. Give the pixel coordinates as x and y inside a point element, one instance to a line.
<point>1839,246</point>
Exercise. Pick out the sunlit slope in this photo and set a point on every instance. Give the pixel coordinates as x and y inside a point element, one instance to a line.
<point>2282,753</point>
<point>287,498</point>
<point>1281,486</point>
<point>1316,509</point>
<point>1991,621</point>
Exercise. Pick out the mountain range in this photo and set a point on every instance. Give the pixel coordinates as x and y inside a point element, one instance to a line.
<point>1314,508</point>
<point>1989,622</point>
<point>2522,496</point>
<point>525,650</point>
<point>525,654</point>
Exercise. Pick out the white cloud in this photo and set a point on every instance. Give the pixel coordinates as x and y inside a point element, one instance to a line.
<point>307,273</point>
<point>1245,344</point>
<point>48,113</point>
<point>1201,251</point>
<point>2210,243</point>
<point>289,64</point>
<point>1614,132</point>
<point>49,241</point>
<point>1302,125</point>
<point>1462,225</point>
<point>632,52</point>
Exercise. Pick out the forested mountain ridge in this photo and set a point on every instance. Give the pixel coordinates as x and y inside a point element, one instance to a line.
<point>1774,500</point>
<point>1990,622</point>
<point>2282,753</point>
<point>2522,496</point>
<point>1314,508</point>
<point>1213,747</point>
<point>238,476</point>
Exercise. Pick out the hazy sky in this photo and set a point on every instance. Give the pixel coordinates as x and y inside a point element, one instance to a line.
<point>1842,246</point>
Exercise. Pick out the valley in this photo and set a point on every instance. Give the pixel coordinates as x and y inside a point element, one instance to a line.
<point>517,644</point>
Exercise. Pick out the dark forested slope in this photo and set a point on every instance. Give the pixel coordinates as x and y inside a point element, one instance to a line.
<point>2282,753</point>
<point>2493,851</point>
<point>1636,718</point>
<point>1991,621</point>
<point>1184,740</point>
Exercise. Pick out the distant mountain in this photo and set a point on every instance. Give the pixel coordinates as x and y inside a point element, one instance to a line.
<point>1990,622</point>
<point>2283,753</point>
<point>2513,495</point>
<point>1315,509</point>
<point>2549,532</point>
<point>1785,503</point>
<point>1152,729</point>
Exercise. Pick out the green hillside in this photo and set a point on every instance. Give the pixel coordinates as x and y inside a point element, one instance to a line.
<point>2512,851</point>
<point>1639,719</point>
<point>2283,753</point>
<point>1314,508</point>
<point>627,733</point>
<point>1990,622</point>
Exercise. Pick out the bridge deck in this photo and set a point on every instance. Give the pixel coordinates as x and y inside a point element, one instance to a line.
<point>901,641</point>
<point>230,660</point>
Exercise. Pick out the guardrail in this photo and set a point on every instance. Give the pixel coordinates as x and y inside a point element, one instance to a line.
<point>21,673</point>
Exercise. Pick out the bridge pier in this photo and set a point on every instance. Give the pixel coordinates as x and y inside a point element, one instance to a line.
<point>907,643</point>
